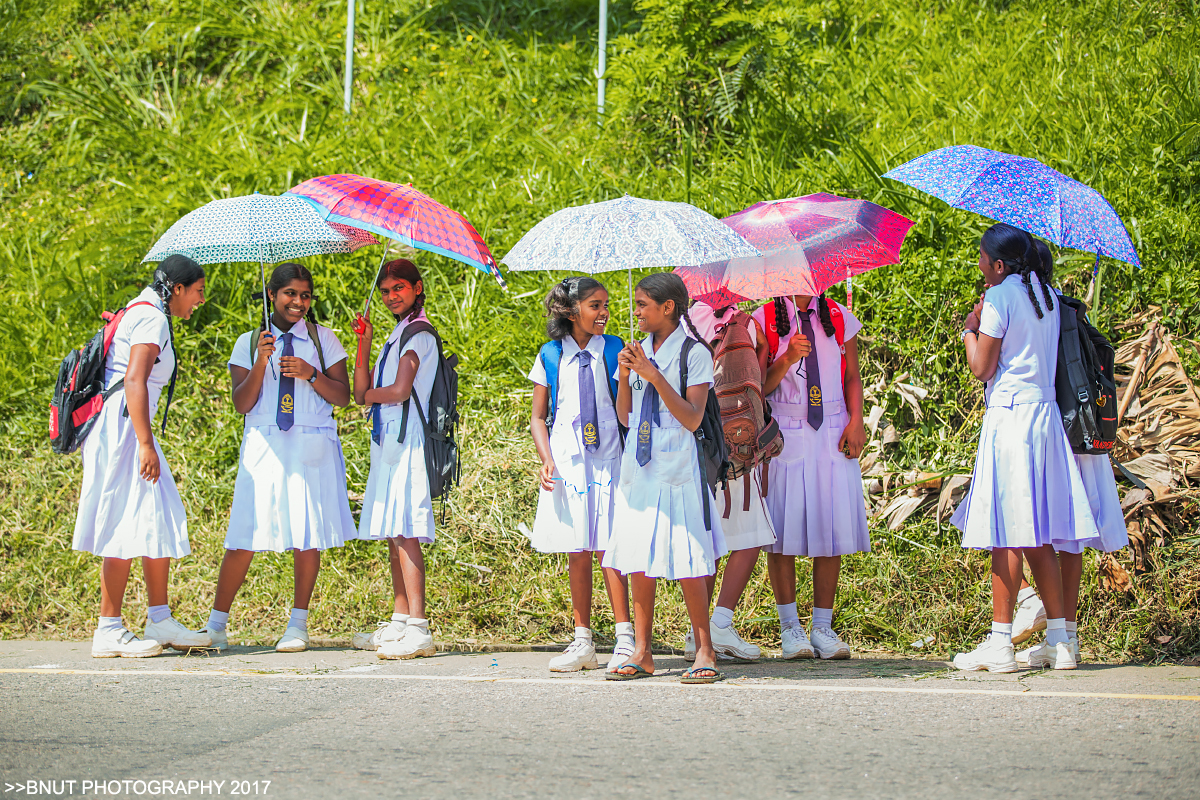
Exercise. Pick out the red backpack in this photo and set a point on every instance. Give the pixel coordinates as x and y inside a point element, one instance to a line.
<point>79,392</point>
<point>835,316</point>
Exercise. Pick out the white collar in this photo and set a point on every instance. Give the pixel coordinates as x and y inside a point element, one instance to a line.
<point>595,346</point>
<point>298,331</point>
<point>404,323</point>
<point>148,295</point>
<point>669,348</point>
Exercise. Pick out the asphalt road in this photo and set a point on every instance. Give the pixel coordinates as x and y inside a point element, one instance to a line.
<point>332,723</point>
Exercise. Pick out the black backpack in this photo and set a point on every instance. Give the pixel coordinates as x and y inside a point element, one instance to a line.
<point>710,436</point>
<point>1084,382</point>
<point>442,464</point>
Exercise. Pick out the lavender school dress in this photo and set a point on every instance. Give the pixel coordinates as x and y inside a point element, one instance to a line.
<point>121,515</point>
<point>1026,489</point>
<point>396,502</point>
<point>743,529</point>
<point>290,491</point>
<point>816,496</point>
<point>658,517</point>
<point>576,516</point>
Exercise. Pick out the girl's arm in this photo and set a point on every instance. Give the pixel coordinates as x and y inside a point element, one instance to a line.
<point>854,436</point>
<point>624,390</point>
<point>362,358</point>
<point>400,388</point>
<point>983,351</point>
<point>541,433</point>
<point>690,410</point>
<point>137,402</point>
<point>798,347</point>
<point>247,383</point>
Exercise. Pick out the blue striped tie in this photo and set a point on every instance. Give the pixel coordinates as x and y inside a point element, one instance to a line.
<point>285,415</point>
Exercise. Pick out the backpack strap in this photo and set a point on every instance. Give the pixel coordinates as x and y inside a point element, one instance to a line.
<point>684,352</point>
<point>408,333</point>
<point>613,345</point>
<point>839,331</point>
<point>772,331</point>
<point>551,356</point>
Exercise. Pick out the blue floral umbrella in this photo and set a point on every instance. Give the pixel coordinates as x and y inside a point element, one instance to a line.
<point>1024,193</point>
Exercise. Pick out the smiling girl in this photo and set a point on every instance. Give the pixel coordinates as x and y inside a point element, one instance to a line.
<point>579,442</point>
<point>396,504</point>
<point>290,492</point>
<point>659,529</point>
<point>129,506</point>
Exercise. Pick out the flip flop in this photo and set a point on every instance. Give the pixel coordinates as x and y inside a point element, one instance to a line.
<point>619,676</point>
<point>689,676</point>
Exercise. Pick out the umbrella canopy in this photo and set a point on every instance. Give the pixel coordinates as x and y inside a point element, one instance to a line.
<point>625,234</point>
<point>1024,193</point>
<point>256,228</point>
<point>808,244</point>
<point>400,212</point>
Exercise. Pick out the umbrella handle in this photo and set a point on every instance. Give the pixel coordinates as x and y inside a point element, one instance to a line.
<point>374,283</point>
<point>266,309</point>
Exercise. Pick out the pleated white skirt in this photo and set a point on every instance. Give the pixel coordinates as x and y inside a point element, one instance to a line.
<point>814,493</point>
<point>290,492</point>
<point>658,516</point>
<point>1105,503</point>
<point>571,521</point>
<point>120,514</point>
<point>746,529</point>
<point>396,502</point>
<point>1026,490</point>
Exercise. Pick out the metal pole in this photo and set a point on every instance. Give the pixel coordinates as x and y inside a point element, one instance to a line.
<point>349,85</point>
<point>602,66</point>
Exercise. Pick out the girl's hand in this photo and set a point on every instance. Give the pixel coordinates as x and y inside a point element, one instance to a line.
<point>798,347</point>
<point>546,476</point>
<point>854,438</point>
<point>293,367</point>
<point>266,347</point>
<point>363,328</point>
<point>639,362</point>
<point>148,462</point>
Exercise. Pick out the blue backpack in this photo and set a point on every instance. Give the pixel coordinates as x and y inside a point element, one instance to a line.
<point>551,356</point>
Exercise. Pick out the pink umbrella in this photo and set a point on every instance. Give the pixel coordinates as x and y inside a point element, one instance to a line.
<point>808,244</point>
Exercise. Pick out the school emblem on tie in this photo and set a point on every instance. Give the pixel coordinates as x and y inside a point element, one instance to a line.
<point>590,436</point>
<point>285,404</point>
<point>814,395</point>
<point>644,432</point>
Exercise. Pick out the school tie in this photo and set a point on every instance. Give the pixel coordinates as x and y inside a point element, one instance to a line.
<point>287,391</point>
<point>376,425</point>
<point>816,411</point>
<point>587,403</point>
<point>648,418</point>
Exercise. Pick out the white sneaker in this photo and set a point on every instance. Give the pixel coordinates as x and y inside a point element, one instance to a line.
<point>1029,619</point>
<point>725,641</point>
<point>989,655</point>
<point>414,643</point>
<point>171,633</point>
<point>622,652</point>
<point>123,643</point>
<point>796,643</point>
<point>1059,656</point>
<point>219,639</point>
<point>294,640</point>
<point>385,631</point>
<point>580,654</point>
<point>828,644</point>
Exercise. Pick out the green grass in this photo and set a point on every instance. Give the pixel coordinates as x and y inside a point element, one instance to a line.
<point>118,117</point>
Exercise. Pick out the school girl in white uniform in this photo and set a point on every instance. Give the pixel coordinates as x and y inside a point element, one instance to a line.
<point>581,461</point>
<point>396,504</point>
<point>1105,503</point>
<point>658,527</point>
<point>1027,497</point>
<point>129,506</point>
<point>816,498</point>
<point>290,491</point>
<point>746,531</point>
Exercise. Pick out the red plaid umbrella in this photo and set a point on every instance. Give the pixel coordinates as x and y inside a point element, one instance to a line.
<point>400,212</point>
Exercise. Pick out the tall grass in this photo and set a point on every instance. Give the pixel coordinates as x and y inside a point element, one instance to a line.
<point>117,118</point>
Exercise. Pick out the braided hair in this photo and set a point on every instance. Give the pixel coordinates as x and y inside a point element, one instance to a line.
<point>1019,252</point>
<point>664,286</point>
<point>172,271</point>
<point>1046,272</point>
<point>783,322</point>
<point>563,302</point>
<point>401,269</point>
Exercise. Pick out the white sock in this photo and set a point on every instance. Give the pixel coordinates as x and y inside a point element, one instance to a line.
<point>583,634</point>
<point>158,613</point>
<point>722,617</point>
<point>398,617</point>
<point>1072,629</point>
<point>625,629</point>
<point>822,618</point>
<point>217,621</point>
<point>1056,631</point>
<point>419,623</point>
<point>299,619</point>
<point>788,616</point>
<point>1002,633</point>
<point>1025,594</point>
<point>110,625</point>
